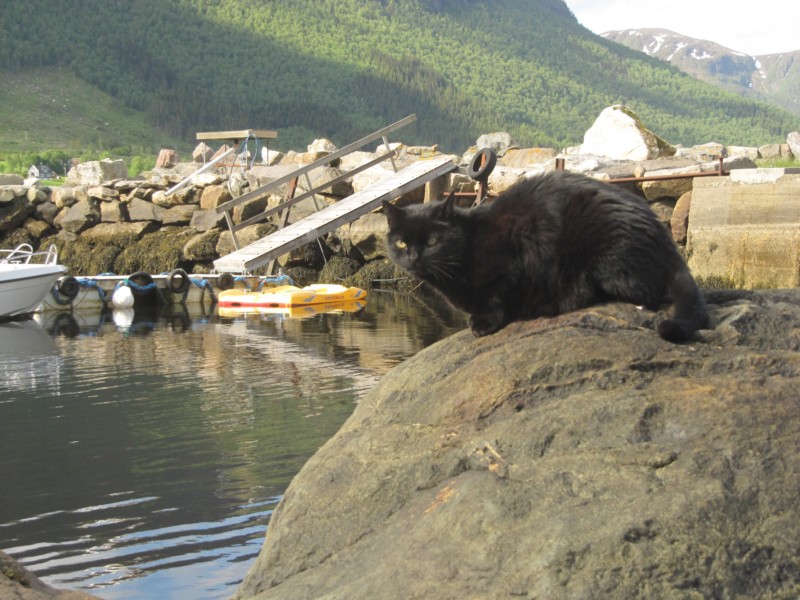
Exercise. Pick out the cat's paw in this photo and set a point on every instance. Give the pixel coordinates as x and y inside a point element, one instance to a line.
<point>672,330</point>
<point>486,324</point>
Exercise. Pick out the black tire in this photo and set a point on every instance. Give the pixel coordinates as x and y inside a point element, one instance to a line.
<point>67,289</point>
<point>478,172</point>
<point>142,279</point>
<point>225,281</point>
<point>178,281</point>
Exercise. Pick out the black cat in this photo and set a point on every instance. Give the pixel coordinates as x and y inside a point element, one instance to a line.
<point>549,245</point>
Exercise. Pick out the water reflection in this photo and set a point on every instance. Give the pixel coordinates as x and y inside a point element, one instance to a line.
<point>143,454</point>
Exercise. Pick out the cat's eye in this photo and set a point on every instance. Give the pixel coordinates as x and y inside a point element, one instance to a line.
<point>400,244</point>
<point>432,241</point>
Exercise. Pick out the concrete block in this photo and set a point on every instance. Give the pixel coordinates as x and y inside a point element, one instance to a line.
<point>744,230</point>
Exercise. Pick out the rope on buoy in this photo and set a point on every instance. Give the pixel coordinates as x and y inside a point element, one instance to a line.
<point>139,287</point>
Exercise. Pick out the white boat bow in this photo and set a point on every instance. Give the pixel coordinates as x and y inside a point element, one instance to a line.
<point>26,277</point>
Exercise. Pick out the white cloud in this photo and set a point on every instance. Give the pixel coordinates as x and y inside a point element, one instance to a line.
<point>740,25</point>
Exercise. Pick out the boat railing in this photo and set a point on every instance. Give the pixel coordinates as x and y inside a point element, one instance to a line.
<point>22,255</point>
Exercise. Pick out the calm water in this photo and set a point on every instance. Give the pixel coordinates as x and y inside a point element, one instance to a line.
<point>142,458</point>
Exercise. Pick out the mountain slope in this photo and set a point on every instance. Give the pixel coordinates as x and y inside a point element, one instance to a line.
<point>773,78</point>
<point>342,68</point>
<point>44,108</point>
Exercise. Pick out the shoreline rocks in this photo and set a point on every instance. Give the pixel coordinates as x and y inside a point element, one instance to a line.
<point>99,195</point>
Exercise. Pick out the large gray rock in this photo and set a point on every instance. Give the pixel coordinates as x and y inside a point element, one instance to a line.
<point>17,583</point>
<point>80,216</point>
<point>96,172</point>
<point>619,134</point>
<point>574,457</point>
<point>14,213</point>
<point>793,140</point>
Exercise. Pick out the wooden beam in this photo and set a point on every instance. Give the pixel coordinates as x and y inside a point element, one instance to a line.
<point>239,134</point>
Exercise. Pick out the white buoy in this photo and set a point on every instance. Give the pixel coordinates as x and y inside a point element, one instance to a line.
<point>122,297</point>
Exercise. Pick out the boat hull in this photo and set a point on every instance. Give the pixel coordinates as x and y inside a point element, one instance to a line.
<point>23,287</point>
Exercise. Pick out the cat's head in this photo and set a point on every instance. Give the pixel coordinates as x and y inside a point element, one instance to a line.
<point>427,240</point>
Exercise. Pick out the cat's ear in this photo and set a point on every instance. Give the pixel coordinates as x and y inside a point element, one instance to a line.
<point>447,209</point>
<point>393,214</point>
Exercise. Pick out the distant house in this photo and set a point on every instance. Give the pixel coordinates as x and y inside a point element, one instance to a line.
<point>41,172</point>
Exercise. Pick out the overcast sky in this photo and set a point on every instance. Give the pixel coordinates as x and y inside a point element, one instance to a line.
<point>752,27</point>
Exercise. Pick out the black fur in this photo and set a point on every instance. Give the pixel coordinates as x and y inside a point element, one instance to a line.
<point>549,245</point>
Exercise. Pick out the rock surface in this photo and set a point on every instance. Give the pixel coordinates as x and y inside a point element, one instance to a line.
<point>574,457</point>
<point>17,583</point>
<point>619,134</point>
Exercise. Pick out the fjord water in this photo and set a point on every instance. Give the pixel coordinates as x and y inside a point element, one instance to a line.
<point>142,458</point>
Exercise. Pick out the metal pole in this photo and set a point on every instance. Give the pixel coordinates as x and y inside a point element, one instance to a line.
<point>202,169</point>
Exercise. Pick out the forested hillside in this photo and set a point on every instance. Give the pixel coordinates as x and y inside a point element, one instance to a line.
<point>342,68</point>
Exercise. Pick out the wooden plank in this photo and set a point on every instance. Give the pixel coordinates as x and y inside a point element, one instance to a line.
<point>259,192</point>
<point>349,209</point>
<point>294,200</point>
<point>239,134</point>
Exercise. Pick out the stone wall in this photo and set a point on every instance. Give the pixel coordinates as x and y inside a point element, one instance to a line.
<point>104,222</point>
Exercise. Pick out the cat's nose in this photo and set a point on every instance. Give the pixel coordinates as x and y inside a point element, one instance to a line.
<point>413,255</point>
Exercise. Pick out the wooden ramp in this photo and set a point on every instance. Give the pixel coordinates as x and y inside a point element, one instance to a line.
<point>349,209</point>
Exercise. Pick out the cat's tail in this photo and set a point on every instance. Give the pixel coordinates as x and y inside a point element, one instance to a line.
<point>689,309</point>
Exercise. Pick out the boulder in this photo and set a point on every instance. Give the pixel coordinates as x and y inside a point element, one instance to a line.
<point>9,193</point>
<point>793,141</point>
<point>103,193</point>
<point>704,152</point>
<point>202,246</point>
<point>522,158</point>
<point>141,210</point>
<point>96,172</point>
<point>271,157</point>
<point>769,151</point>
<point>213,196</point>
<point>202,153</point>
<point>245,236</point>
<point>166,159</point>
<point>14,213</point>
<point>11,179</point>
<point>204,220</point>
<point>322,145</point>
<point>368,235</point>
<point>17,583</point>
<point>37,229</point>
<point>80,216</point>
<point>746,151</point>
<point>113,212</point>
<point>63,196</point>
<point>573,457</point>
<point>502,178</point>
<point>121,233</point>
<point>679,222</point>
<point>46,211</point>
<point>619,134</point>
<point>248,209</point>
<point>37,195</point>
<point>185,195</point>
<point>499,141</point>
<point>178,215</point>
<point>666,188</point>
